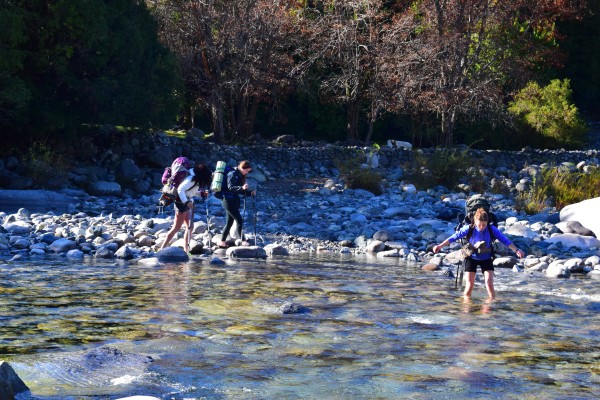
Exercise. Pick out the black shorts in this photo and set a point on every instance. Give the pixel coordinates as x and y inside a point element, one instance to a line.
<point>471,265</point>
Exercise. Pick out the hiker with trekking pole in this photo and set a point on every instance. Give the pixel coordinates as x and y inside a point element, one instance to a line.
<point>478,250</point>
<point>233,186</point>
<point>194,184</point>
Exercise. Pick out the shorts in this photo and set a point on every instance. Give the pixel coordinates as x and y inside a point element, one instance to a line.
<point>181,207</point>
<point>471,265</point>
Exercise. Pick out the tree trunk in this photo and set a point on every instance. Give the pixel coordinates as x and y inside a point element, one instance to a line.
<point>372,119</point>
<point>447,126</point>
<point>251,118</point>
<point>216,113</point>
<point>352,122</point>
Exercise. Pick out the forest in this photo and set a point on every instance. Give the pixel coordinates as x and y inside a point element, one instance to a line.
<point>485,73</point>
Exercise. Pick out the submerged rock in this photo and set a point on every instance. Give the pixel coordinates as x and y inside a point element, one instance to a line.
<point>10,383</point>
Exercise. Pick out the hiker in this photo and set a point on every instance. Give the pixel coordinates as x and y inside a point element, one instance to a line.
<point>195,183</point>
<point>236,186</point>
<point>481,247</point>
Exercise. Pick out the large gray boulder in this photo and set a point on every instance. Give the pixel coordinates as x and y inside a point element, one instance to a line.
<point>10,383</point>
<point>105,188</point>
<point>36,200</point>
<point>585,212</point>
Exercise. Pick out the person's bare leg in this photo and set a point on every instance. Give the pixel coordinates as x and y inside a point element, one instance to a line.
<point>188,232</point>
<point>489,284</point>
<point>179,217</point>
<point>469,283</point>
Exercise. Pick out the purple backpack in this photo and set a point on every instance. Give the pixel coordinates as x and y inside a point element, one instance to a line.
<point>172,178</point>
<point>176,173</point>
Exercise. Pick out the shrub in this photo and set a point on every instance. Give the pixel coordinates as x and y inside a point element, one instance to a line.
<point>548,111</point>
<point>45,167</point>
<point>447,167</point>
<point>560,188</point>
<point>357,177</point>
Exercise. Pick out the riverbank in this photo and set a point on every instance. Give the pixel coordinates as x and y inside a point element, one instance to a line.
<point>302,215</point>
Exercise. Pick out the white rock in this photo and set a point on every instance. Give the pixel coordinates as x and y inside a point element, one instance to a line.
<point>585,212</point>
<point>574,240</point>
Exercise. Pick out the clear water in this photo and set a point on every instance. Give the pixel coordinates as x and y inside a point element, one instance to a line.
<point>375,329</point>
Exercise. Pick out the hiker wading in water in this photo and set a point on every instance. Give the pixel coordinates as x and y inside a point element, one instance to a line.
<point>194,184</point>
<point>236,186</point>
<point>481,242</point>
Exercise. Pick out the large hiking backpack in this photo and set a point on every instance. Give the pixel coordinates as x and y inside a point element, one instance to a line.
<point>172,178</point>
<point>219,180</point>
<point>472,204</point>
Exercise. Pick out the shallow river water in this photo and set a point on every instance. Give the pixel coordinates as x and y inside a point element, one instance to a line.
<point>367,329</point>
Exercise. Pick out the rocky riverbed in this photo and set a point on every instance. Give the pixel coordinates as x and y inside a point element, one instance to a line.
<point>306,214</point>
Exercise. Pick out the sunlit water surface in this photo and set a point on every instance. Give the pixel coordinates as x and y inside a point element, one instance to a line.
<point>371,329</point>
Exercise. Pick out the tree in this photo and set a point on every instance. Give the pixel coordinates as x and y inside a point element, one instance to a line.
<point>548,111</point>
<point>234,56</point>
<point>86,63</point>
<point>14,93</point>
<point>460,58</point>
<point>344,41</point>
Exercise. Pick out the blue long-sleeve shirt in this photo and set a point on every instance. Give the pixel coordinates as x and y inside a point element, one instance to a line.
<point>478,236</point>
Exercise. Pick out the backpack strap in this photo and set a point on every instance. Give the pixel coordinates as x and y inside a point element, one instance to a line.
<point>492,238</point>
<point>470,232</point>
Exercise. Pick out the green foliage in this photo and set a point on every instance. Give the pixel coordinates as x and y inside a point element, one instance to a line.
<point>14,93</point>
<point>357,177</point>
<point>447,167</point>
<point>45,167</point>
<point>86,62</point>
<point>548,111</point>
<point>559,187</point>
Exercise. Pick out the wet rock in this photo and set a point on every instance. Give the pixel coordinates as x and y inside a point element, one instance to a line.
<point>557,270</point>
<point>278,307</point>
<point>10,383</point>
<point>172,254</point>
<point>62,245</point>
<point>275,249</point>
<point>430,267</point>
<point>375,246</point>
<point>246,252</point>
<point>505,262</point>
<point>125,253</point>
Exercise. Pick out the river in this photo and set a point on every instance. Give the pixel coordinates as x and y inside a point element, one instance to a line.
<point>368,329</point>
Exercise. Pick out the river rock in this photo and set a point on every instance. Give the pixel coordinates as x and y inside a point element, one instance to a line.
<point>62,245</point>
<point>585,212</point>
<point>138,398</point>
<point>574,240</point>
<point>246,252</point>
<point>172,254</point>
<point>557,270</point>
<point>10,383</point>
<point>275,249</point>
<point>105,188</point>
<point>279,307</point>
<point>574,227</point>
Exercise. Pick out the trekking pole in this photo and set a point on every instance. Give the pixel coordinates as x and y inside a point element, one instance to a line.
<point>191,225</point>
<point>254,210</point>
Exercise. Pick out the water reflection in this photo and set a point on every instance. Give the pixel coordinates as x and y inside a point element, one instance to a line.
<point>374,329</point>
